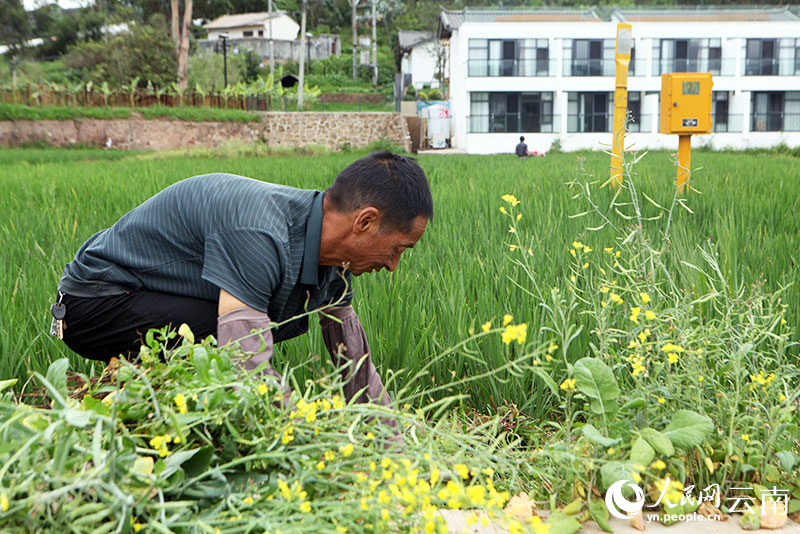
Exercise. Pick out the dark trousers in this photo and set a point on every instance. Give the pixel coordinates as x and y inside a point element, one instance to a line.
<point>100,328</point>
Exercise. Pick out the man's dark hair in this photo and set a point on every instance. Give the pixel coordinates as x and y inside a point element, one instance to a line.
<point>521,138</point>
<point>394,184</point>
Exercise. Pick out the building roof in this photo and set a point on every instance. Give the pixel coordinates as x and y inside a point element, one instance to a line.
<point>452,20</point>
<point>244,19</point>
<point>706,14</point>
<point>407,39</point>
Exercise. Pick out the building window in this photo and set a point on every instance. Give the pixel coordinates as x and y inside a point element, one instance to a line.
<point>687,55</point>
<point>511,112</point>
<point>632,64</point>
<point>796,57</point>
<point>587,57</point>
<point>719,111</point>
<point>590,112</point>
<point>508,57</point>
<point>760,57</point>
<point>261,33</point>
<point>247,33</point>
<point>767,114</point>
<point>634,119</point>
<point>791,120</point>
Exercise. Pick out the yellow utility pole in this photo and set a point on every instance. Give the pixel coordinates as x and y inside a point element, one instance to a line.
<point>622,59</point>
<point>685,110</point>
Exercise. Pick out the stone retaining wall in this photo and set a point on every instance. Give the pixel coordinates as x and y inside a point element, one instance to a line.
<point>331,130</point>
<point>353,98</point>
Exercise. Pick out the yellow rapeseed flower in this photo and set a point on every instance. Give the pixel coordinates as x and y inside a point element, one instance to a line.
<point>4,504</point>
<point>515,332</point>
<point>672,357</point>
<point>587,248</point>
<point>305,507</point>
<point>604,290</point>
<point>568,385</point>
<point>486,326</point>
<point>609,249</point>
<point>511,199</point>
<point>320,465</point>
<point>577,245</point>
<point>462,470</point>
<point>507,319</point>
<point>262,389</point>
<point>180,402</point>
<point>503,210</point>
<point>650,315</point>
<point>746,438</point>
<point>645,297</point>
<point>572,251</point>
<point>662,400</point>
<point>347,450</point>
<point>519,216</point>
<point>644,335</point>
<point>616,299</point>
<point>658,465</point>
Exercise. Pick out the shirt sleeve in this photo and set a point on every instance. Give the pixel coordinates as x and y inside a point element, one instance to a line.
<point>244,262</point>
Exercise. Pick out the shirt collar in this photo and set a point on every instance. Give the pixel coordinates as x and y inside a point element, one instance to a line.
<point>310,269</point>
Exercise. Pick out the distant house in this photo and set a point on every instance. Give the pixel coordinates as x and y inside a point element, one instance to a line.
<point>251,31</point>
<point>249,25</point>
<point>418,52</point>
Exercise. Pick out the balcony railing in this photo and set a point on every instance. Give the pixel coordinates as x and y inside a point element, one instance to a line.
<point>778,121</point>
<point>501,123</point>
<point>510,67</point>
<point>771,67</point>
<point>718,66</point>
<point>588,67</point>
<point>596,122</point>
<point>734,122</point>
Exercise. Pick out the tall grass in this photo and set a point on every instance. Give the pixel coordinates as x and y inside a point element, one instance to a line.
<point>459,276</point>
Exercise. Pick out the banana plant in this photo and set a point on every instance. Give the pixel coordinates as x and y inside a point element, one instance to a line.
<point>177,90</point>
<point>202,92</point>
<point>131,89</point>
<point>106,90</point>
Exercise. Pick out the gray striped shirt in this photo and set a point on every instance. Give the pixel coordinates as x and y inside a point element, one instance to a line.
<point>212,232</point>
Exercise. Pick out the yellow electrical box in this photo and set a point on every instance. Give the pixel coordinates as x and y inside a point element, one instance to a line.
<point>686,103</point>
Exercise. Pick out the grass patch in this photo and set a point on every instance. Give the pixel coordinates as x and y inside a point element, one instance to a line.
<point>20,112</point>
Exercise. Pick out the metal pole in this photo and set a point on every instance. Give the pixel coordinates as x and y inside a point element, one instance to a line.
<point>225,58</point>
<point>271,45</point>
<point>375,43</point>
<point>354,3</point>
<point>302,58</point>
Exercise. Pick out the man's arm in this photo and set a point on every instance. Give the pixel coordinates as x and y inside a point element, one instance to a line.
<point>347,342</point>
<point>236,322</point>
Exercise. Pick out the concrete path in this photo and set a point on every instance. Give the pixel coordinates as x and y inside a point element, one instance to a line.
<point>457,523</point>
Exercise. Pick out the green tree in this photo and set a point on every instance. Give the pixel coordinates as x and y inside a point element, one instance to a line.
<point>144,52</point>
<point>15,25</point>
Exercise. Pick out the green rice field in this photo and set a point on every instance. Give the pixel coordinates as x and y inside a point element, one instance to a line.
<point>548,335</point>
<point>743,212</point>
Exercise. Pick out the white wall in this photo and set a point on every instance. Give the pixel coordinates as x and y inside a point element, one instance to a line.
<point>284,27</point>
<point>733,36</point>
<point>421,64</point>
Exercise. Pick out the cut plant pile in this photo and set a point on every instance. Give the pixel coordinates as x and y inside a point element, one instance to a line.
<point>185,443</point>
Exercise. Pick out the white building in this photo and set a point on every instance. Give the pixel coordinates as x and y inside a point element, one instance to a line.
<point>248,25</point>
<point>549,75</point>
<point>419,54</point>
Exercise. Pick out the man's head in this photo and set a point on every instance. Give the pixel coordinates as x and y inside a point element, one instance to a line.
<point>379,205</point>
<point>521,138</point>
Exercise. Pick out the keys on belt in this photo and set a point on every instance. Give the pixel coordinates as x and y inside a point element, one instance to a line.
<point>59,311</point>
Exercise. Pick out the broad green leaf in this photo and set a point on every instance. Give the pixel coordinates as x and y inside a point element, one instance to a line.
<point>594,435</point>
<point>7,383</point>
<point>198,463</point>
<point>688,429</point>
<point>57,375</point>
<point>633,404</point>
<point>613,471</point>
<point>173,462</point>
<point>641,452</point>
<point>560,523</point>
<point>600,514</point>
<point>95,405</point>
<point>596,380</point>
<point>546,378</point>
<point>787,460</point>
<point>77,418</point>
<point>660,443</point>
